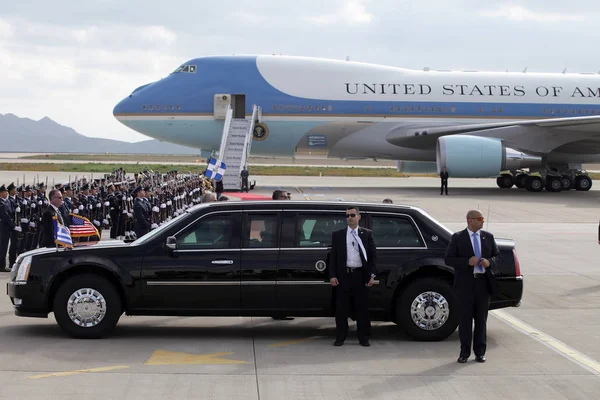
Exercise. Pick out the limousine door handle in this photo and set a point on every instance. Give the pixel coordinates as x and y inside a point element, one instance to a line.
<point>222,262</point>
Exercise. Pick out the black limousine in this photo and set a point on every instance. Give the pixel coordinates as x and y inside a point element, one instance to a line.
<point>252,258</point>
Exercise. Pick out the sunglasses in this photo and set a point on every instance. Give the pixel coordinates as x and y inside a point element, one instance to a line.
<point>480,219</point>
<point>350,215</point>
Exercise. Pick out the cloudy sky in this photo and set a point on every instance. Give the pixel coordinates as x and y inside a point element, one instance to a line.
<point>73,61</point>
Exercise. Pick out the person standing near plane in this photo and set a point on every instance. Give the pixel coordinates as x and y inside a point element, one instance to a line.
<point>245,174</point>
<point>444,178</point>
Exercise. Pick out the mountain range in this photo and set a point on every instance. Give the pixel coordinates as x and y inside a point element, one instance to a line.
<point>46,136</point>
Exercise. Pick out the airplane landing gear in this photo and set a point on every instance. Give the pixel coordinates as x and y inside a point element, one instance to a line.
<point>583,183</point>
<point>505,181</point>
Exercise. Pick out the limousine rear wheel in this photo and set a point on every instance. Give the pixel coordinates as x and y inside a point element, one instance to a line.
<point>87,306</point>
<point>428,309</point>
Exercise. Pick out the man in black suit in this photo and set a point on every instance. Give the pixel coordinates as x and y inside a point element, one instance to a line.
<point>444,179</point>
<point>473,253</point>
<point>351,272</point>
<point>47,224</point>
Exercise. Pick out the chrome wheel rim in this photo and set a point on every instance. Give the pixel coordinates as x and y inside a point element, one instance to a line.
<point>86,307</point>
<point>430,310</point>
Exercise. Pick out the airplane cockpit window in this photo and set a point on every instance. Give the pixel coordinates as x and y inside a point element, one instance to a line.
<point>190,69</point>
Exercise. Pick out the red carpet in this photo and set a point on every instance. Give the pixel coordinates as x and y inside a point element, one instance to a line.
<point>246,196</point>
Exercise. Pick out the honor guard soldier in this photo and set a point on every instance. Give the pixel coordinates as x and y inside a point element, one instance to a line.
<point>14,236</point>
<point>23,205</point>
<point>7,226</point>
<point>66,207</point>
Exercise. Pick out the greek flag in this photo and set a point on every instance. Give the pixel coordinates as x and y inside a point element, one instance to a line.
<point>62,235</point>
<point>215,169</point>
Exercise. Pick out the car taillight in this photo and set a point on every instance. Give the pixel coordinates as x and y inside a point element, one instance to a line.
<point>517,266</point>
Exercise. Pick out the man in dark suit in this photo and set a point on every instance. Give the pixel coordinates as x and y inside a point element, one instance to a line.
<point>351,271</point>
<point>473,253</point>
<point>47,224</point>
<point>444,181</point>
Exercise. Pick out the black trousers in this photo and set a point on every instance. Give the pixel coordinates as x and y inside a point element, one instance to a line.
<point>444,185</point>
<point>353,293</point>
<point>244,185</point>
<point>474,305</point>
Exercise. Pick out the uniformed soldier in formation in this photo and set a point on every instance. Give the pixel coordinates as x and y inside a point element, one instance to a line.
<point>7,225</point>
<point>108,203</point>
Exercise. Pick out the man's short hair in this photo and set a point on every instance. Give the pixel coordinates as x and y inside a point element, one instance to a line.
<point>53,193</point>
<point>387,201</point>
<point>277,194</point>
<point>353,208</point>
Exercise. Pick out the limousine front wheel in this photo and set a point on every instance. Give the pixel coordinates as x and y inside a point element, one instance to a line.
<point>87,306</point>
<point>428,309</point>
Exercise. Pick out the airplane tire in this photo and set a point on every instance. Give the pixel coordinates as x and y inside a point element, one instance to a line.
<point>567,182</point>
<point>553,184</point>
<point>583,183</point>
<point>505,181</point>
<point>534,184</point>
<point>520,180</point>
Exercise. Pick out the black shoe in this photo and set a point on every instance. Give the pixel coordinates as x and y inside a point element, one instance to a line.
<point>480,359</point>
<point>462,359</point>
<point>338,343</point>
<point>365,343</point>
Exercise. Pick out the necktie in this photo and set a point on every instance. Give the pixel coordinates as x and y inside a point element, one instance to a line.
<point>362,249</point>
<point>478,268</point>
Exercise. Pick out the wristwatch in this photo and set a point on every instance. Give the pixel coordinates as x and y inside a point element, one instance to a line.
<point>372,275</point>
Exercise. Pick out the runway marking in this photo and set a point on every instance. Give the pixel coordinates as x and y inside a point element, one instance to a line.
<point>547,340</point>
<point>164,357</point>
<point>79,371</point>
<point>297,341</point>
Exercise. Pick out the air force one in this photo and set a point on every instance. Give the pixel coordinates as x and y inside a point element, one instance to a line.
<point>531,130</point>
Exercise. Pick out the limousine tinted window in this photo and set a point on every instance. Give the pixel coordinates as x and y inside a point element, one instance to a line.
<point>315,230</point>
<point>213,232</point>
<point>389,231</point>
<point>260,231</point>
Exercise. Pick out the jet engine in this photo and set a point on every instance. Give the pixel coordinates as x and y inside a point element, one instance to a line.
<point>416,167</point>
<point>467,156</point>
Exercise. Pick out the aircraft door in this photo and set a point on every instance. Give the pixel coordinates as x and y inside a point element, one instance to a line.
<point>238,103</point>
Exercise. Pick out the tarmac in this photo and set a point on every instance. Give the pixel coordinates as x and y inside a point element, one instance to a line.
<point>549,348</point>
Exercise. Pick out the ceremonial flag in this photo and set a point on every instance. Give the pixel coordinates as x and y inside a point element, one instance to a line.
<point>215,170</point>
<point>62,235</point>
<point>82,227</point>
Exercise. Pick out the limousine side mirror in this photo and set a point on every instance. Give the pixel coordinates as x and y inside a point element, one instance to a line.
<point>172,242</point>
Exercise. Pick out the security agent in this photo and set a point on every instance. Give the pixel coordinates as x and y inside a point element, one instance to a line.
<point>141,211</point>
<point>444,181</point>
<point>352,271</point>
<point>473,253</point>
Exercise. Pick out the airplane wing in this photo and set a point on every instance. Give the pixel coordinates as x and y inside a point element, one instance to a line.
<point>572,134</point>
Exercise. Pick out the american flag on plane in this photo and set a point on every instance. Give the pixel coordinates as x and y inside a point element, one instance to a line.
<point>82,227</point>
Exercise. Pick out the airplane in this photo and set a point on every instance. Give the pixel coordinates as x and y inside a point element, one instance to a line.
<point>531,130</point>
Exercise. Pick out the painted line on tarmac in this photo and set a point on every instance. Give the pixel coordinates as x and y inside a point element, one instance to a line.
<point>561,348</point>
<point>79,371</point>
<point>297,341</point>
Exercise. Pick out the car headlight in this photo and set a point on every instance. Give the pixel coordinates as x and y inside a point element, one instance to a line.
<point>23,271</point>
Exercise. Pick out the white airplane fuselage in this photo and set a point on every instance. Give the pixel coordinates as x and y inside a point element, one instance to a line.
<point>350,109</point>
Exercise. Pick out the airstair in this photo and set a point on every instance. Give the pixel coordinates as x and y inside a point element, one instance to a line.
<point>235,146</point>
